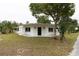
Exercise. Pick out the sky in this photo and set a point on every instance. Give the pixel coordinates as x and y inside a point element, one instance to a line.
<point>18,10</point>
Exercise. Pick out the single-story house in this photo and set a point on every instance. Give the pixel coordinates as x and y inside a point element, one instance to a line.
<point>37,30</point>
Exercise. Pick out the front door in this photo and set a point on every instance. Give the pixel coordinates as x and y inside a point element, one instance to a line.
<point>39,30</point>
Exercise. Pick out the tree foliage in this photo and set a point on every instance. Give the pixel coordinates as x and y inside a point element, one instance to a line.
<point>43,19</point>
<point>7,26</point>
<point>67,24</point>
<point>72,26</point>
<point>54,10</point>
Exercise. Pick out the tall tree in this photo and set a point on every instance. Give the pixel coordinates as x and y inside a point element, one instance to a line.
<point>66,24</point>
<point>54,10</point>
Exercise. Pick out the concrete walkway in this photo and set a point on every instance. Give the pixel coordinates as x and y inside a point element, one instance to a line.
<point>75,51</point>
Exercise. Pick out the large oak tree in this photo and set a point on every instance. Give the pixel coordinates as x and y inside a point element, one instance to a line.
<point>54,10</point>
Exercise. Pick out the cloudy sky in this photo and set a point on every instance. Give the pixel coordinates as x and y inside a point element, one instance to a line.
<point>18,10</point>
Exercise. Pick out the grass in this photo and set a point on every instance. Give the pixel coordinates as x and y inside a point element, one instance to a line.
<point>13,44</point>
<point>71,37</point>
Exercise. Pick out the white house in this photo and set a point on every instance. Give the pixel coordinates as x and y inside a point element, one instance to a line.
<point>37,30</point>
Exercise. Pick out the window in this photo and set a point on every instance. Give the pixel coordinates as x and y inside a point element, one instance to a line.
<point>50,29</point>
<point>27,29</point>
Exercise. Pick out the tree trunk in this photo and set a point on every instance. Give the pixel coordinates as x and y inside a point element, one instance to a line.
<point>61,37</point>
<point>55,30</point>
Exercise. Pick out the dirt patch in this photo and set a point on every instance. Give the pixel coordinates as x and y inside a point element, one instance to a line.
<point>15,52</point>
<point>22,51</point>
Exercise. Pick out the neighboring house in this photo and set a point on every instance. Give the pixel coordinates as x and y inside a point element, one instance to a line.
<point>37,30</point>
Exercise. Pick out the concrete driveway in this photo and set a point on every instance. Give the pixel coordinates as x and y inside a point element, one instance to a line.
<point>75,51</point>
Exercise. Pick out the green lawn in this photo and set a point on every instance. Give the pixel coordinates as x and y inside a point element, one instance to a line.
<point>13,44</point>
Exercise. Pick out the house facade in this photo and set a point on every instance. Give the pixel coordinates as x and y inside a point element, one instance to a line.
<point>37,30</point>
